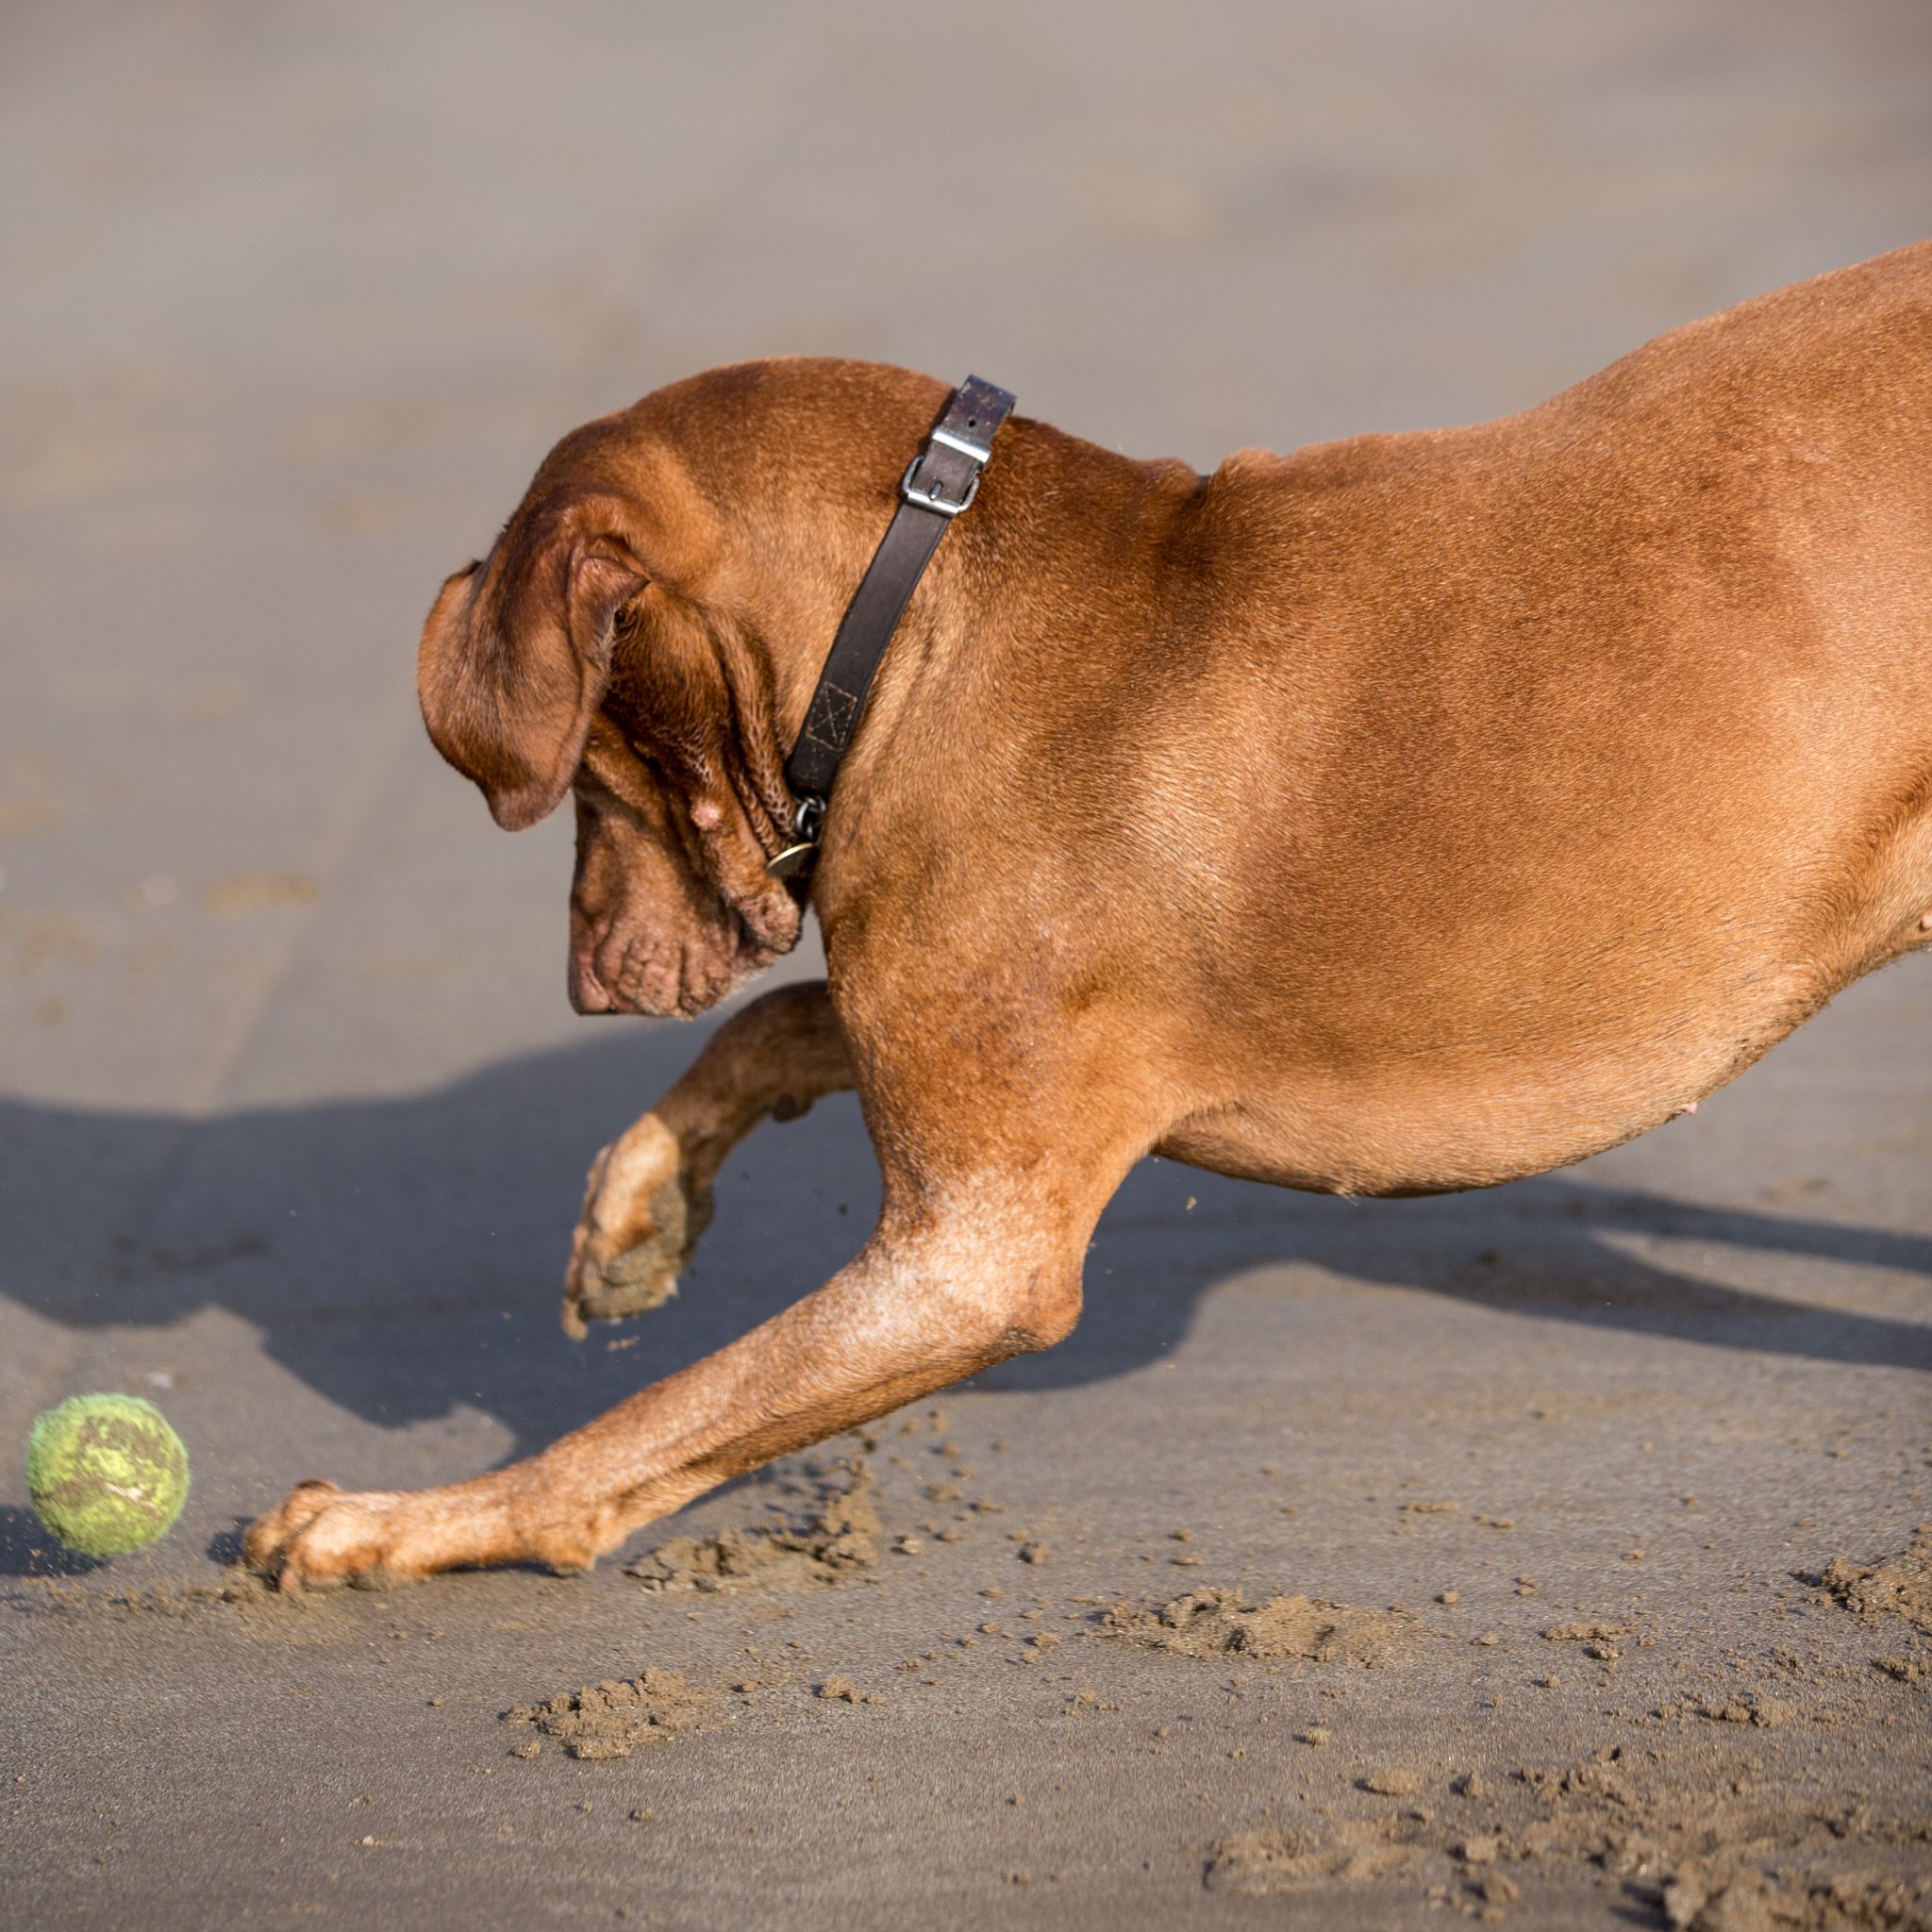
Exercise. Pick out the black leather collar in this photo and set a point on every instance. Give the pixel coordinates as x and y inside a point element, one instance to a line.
<point>940,482</point>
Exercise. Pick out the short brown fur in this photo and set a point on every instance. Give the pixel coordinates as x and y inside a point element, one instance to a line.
<point>1409,813</point>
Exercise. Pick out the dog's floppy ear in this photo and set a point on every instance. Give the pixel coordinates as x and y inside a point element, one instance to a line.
<point>516,654</point>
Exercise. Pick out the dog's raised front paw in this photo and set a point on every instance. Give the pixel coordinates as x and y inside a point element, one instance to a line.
<point>641,1218</point>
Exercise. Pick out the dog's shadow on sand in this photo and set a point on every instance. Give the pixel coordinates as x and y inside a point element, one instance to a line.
<point>402,1258</point>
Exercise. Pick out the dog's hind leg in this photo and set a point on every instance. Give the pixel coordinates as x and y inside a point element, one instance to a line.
<point>649,1193</point>
<point>1002,1127</point>
<point>966,1268</point>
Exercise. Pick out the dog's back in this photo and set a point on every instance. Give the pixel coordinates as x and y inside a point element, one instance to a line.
<point>1520,783</point>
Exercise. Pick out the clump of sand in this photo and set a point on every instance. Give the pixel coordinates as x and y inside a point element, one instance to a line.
<point>1255,1863</point>
<point>1714,1843</point>
<point>1713,1896</point>
<point>1703,1841</point>
<point>833,1539</point>
<point>1223,1623</point>
<point>612,1719</point>
<point>1900,1585</point>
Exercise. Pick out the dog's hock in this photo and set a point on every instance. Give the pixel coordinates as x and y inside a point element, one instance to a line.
<point>1045,1315</point>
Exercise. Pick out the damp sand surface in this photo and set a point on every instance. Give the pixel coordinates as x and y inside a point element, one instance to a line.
<point>293,1116</point>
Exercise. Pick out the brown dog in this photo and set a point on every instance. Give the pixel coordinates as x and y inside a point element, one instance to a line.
<point>1409,813</point>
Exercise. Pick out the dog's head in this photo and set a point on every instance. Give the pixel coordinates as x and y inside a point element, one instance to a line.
<point>603,648</point>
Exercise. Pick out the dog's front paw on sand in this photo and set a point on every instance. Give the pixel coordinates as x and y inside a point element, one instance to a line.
<point>642,1216</point>
<point>321,1535</point>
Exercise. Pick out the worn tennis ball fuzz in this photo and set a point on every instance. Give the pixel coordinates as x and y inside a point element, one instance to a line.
<point>106,1473</point>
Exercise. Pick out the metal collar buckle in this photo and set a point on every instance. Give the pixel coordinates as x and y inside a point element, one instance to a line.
<point>929,495</point>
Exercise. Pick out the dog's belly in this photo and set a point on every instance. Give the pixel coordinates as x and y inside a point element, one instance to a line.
<point>1396,1126</point>
<point>1372,1151</point>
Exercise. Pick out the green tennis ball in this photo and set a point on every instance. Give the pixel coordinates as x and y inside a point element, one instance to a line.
<point>106,1473</point>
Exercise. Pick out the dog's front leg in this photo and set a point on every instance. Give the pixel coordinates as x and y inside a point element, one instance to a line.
<point>649,1193</point>
<point>953,1281</point>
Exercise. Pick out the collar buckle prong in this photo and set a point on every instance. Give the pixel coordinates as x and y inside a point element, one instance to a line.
<point>922,486</point>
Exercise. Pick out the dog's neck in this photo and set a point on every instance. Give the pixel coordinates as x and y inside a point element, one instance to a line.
<point>939,484</point>
<point>763,544</point>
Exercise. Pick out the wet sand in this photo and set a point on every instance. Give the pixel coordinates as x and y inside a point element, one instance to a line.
<point>1554,1555</point>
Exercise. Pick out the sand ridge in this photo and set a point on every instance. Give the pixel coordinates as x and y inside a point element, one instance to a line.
<point>1215,1623</point>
